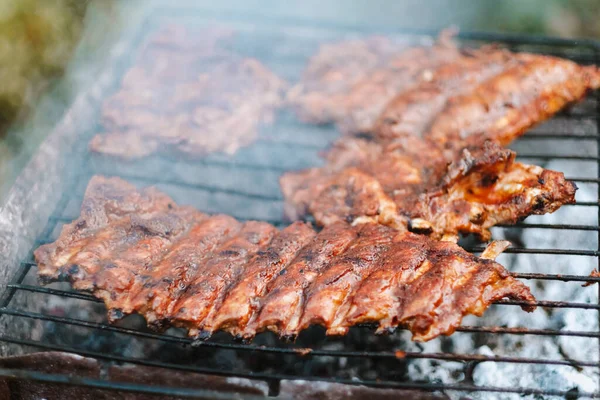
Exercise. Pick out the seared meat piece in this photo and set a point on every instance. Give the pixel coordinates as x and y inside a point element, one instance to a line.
<point>438,91</point>
<point>505,106</point>
<point>494,96</point>
<point>283,305</point>
<point>329,297</point>
<point>410,112</point>
<point>350,83</point>
<point>483,187</point>
<point>486,187</point>
<point>241,302</point>
<point>408,171</point>
<point>209,287</point>
<point>171,277</point>
<point>342,196</point>
<point>191,102</point>
<point>442,282</point>
<point>334,70</point>
<point>141,253</point>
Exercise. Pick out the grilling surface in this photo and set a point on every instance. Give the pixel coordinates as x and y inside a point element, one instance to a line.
<point>140,252</point>
<point>222,195</point>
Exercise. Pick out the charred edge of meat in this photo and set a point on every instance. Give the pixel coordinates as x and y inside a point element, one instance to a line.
<point>353,262</point>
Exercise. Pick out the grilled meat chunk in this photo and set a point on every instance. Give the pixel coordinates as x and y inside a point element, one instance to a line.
<point>411,111</point>
<point>188,102</point>
<point>350,83</point>
<point>141,253</point>
<point>334,70</point>
<point>503,107</point>
<point>497,96</point>
<point>438,91</point>
<point>484,186</point>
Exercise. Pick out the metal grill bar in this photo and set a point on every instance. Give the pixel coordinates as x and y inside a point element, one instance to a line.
<point>552,277</point>
<point>302,351</point>
<point>532,136</point>
<point>550,304</point>
<point>521,275</point>
<point>522,250</point>
<point>387,384</point>
<point>552,226</point>
<point>584,203</point>
<point>585,180</point>
<point>549,157</point>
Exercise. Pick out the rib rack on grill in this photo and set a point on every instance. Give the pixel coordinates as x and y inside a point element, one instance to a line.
<point>141,253</point>
<point>351,82</point>
<point>188,97</point>
<point>441,92</point>
<point>410,185</point>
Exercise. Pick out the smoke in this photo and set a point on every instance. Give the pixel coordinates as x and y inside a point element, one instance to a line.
<point>49,53</point>
<point>105,23</point>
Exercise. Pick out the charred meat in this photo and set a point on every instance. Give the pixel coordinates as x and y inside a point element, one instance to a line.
<point>408,187</point>
<point>350,83</point>
<point>441,91</point>
<point>189,97</point>
<point>140,252</point>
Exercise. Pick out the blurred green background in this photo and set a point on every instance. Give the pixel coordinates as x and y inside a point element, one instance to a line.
<point>50,49</point>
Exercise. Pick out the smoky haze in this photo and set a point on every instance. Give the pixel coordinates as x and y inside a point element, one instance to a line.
<point>105,22</point>
<point>108,24</point>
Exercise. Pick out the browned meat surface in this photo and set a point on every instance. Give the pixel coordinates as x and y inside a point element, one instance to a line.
<point>411,111</point>
<point>141,253</point>
<point>505,106</point>
<point>380,87</point>
<point>418,269</point>
<point>242,300</point>
<point>334,70</point>
<point>415,189</point>
<point>188,96</point>
<point>350,83</point>
<point>430,165</point>
<point>494,96</point>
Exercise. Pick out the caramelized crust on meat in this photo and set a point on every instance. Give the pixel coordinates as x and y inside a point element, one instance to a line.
<point>350,83</point>
<point>333,70</point>
<point>505,106</point>
<point>141,253</point>
<point>243,298</point>
<point>442,282</point>
<point>495,96</point>
<point>411,111</point>
<point>440,91</point>
<point>484,186</point>
<point>190,98</point>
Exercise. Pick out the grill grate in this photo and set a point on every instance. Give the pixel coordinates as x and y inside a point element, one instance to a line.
<point>273,154</point>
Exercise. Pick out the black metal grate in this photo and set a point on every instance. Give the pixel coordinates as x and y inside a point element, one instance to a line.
<point>250,192</point>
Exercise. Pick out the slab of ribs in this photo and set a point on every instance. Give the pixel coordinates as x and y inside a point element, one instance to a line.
<point>140,252</point>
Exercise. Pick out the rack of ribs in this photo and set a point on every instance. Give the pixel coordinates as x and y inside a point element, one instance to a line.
<point>140,252</point>
<point>410,185</point>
